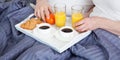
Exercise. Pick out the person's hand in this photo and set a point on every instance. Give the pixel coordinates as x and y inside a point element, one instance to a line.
<point>42,9</point>
<point>90,23</point>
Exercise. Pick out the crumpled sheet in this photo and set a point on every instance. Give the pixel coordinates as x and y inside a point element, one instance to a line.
<point>14,45</point>
<point>12,42</point>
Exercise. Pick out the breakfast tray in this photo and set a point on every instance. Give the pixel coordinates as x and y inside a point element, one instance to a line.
<point>57,44</point>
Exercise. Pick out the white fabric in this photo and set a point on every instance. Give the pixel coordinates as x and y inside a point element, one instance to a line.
<point>107,8</point>
<point>70,3</point>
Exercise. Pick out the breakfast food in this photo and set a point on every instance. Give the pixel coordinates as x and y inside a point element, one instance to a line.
<point>51,19</point>
<point>31,23</point>
<point>38,20</point>
<point>23,26</point>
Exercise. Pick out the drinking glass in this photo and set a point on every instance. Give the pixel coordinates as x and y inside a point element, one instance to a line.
<point>60,14</point>
<point>76,13</point>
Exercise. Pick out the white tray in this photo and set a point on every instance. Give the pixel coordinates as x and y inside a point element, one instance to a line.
<point>56,44</point>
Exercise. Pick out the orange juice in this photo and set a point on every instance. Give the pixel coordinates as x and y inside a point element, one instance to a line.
<point>60,19</point>
<point>76,17</point>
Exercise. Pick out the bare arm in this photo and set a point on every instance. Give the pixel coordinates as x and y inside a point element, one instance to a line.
<point>95,22</point>
<point>112,26</point>
<point>92,23</point>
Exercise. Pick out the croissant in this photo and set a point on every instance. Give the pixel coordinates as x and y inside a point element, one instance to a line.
<point>31,23</point>
<point>38,20</point>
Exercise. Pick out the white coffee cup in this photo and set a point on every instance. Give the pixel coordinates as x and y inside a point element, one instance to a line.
<point>43,29</point>
<point>66,32</point>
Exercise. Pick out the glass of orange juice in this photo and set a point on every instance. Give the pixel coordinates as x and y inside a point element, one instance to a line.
<point>76,14</point>
<point>60,14</point>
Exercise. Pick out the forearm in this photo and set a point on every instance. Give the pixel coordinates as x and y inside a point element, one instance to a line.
<point>112,26</point>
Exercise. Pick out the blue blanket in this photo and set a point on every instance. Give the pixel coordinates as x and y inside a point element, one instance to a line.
<point>14,45</point>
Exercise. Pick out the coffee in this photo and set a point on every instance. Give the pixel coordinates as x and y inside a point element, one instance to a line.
<point>44,27</point>
<point>67,30</point>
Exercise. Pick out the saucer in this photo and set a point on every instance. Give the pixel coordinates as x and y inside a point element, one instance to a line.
<point>59,37</point>
<point>44,33</point>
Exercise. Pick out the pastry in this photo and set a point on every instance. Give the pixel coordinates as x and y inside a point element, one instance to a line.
<point>26,26</point>
<point>23,26</point>
<point>38,20</point>
<point>31,23</point>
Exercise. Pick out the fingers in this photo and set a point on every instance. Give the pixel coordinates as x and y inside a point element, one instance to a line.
<point>50,9</point>
<point>47,13</point>
<point>37,13</point>
<point>42,14</point>
<point>81,28</point>
<point>79,23</point>
<point>42,9</point>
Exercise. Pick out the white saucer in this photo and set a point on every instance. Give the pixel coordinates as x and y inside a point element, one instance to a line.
<point>44,34</point>
<point>59,37</point>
